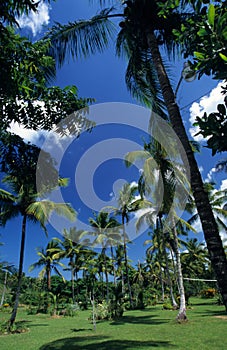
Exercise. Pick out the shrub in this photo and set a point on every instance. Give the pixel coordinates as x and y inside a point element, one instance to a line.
<point>108,311</point>
<point>167,306</point>
<point>208,293</point>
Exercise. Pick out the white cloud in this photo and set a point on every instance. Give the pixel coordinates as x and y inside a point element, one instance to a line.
<point>36,20</point>
<point>29,135</point>
<point>210,175</point>
<point>197,226</point>
<point>223,185</point>
<point>207,104</point>
<point>201,169</point>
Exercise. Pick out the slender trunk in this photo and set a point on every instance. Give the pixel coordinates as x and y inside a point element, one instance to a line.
<point>162,286</point>
<point>4,288</point>
<point>106,274</point>
<point>93,308</point>
<point>20,273</point>
<point>174,303</point>
<point>114,270</point>
<point>77,286</point>
<point>174,269</point>
<point>182,310</point>
<point>72,281</point>
<point>48,272</point>
<point>209,225</point>
<point>126,263</point>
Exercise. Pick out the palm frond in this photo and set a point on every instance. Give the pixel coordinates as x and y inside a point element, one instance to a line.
<point>43,209</point>
<point>81,38</point>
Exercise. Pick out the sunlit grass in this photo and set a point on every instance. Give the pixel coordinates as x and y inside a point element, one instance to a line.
<point>143,330</point>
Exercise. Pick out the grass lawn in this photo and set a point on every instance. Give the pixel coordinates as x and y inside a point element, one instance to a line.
<point>152,328</point>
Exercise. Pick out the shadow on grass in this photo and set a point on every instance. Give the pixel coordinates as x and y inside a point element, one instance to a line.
<point>81,329</point>
<point>148,319</point>
<point>101,343</point>
<point>209,312</point>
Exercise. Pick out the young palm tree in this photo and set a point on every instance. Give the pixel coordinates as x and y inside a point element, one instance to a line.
<point>147,25</point>
<point>48,261</point>
<point>106,229</point>
<point>72,247</point>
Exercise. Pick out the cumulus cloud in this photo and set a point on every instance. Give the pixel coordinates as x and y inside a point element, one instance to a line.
<point>36,20</point>
<point>207,104</point>
<point>223,185</point>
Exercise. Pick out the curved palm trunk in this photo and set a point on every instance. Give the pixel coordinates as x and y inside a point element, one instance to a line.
<point>182,310</point>
<point>174,303</point>
<point>126,262</point>
<point>20,273</point>
<point>4,288</point>
<point>210,229</point>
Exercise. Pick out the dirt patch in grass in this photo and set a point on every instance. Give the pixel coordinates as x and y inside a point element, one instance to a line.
<point>221,317</point>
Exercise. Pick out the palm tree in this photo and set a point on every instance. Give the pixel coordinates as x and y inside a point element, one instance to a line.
<point>20,164</point>
<point>147,25</point>
<point>218,201</point>
<point>6,268</point>
<point>194,259</point>
<point>106,229</point>
<point>169,173</point>
<point>72,247</point>
<point>126,205</point>
<point>48,261</point>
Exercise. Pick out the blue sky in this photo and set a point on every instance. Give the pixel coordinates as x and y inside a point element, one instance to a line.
<point>102,77</point>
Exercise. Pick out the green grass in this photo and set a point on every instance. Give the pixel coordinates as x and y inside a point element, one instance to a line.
<point>152,328</point>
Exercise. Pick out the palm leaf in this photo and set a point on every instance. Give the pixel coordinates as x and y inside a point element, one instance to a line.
<point>82,38</point>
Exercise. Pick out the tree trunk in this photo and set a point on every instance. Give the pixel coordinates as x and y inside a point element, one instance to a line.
<point>72,282</point>
<point>48,271</point>
<point>4,288</point>
<point>106,274</point>
<point>20,273</point>
<point>182,310</point>
<point>209,225</point>
<point>126,263</point>
<point>114,270</point>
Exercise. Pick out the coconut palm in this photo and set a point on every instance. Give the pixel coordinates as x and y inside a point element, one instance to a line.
<point>162,183</point>
<point>72,247</point>
<point>19,162</point>
<point>48,261</point>
<point>106,230</point>
<point>146,26</point>
<point>126,205</point>
<point>194,259</point>
<point>218,201</point>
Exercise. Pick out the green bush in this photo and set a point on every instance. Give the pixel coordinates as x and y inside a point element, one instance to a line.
<point>167,306</point>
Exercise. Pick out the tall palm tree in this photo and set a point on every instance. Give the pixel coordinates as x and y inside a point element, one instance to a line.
<point>18,162</point>
<point>72,247</point>
<point>106,229</point>
<point>48,261</point>
<point>146,26</point>
<point>194,259</point>
<point>169,173</point>
<point>126,205</point>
